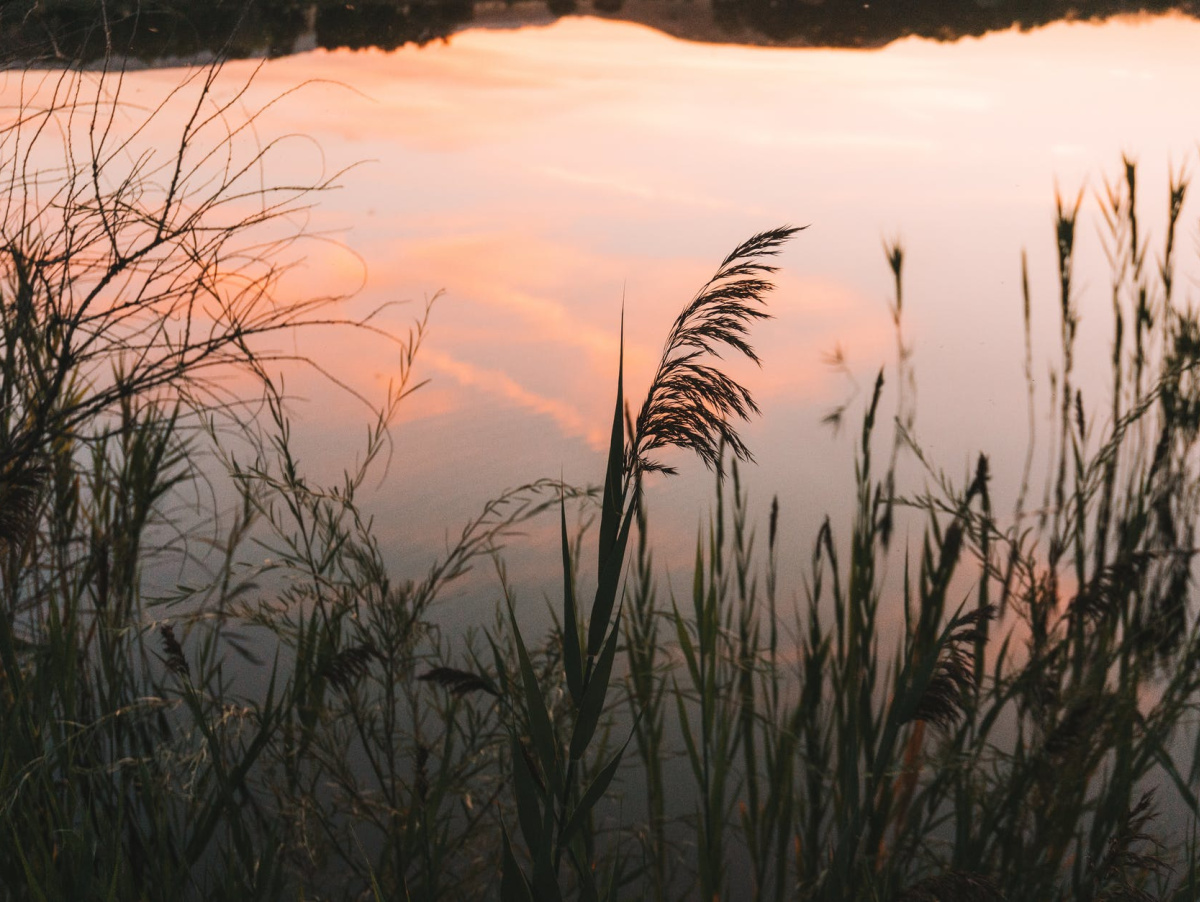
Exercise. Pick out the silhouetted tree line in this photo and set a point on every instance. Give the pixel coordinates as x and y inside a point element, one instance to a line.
<point>152,30</point>
<point>855,23</point>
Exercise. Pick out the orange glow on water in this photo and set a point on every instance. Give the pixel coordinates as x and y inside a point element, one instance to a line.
<point>543,177</point>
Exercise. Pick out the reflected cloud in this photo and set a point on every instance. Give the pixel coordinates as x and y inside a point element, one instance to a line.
<point>498,384</point>
<point>550,286</point>
<point>631,187</point>
<point>545,177</point>
<point>835,140</point>
<point>813,317</point>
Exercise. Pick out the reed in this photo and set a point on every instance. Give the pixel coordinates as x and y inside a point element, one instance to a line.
<point>1002,722</point>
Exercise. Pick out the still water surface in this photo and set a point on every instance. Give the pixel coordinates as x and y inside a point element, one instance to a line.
<point>543,178</point>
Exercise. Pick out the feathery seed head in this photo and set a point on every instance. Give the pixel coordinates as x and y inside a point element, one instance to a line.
<point>691,403</point>
<point>950,686</point>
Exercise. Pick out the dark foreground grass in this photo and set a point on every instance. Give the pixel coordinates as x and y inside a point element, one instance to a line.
<point>1004,722</point>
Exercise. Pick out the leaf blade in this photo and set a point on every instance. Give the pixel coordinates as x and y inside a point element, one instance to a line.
<point>572,654</point>
<point>540,729</point>
<point>592,706</point>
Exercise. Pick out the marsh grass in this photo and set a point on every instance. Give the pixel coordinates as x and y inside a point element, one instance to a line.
<point>175,720</point>
<point>1012,740</point>
<point>1001,722</point>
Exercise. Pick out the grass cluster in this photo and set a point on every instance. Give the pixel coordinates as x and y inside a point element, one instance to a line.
<point>1001,723</point>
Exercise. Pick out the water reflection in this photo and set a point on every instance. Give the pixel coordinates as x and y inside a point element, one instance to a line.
<point>543,178</point>
<point>185,29</point>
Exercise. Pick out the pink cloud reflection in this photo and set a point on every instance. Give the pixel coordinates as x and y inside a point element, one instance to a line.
<point>541,177</point>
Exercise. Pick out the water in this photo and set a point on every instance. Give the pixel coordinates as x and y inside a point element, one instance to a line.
<point>543,179</point>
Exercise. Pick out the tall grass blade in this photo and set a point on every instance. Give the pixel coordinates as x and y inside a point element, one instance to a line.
<point>592,705</point>
<point>528,790</point>
<point>592,795</point>
<point>613,500</point>
<point>541,732</point>
<point>513,886</point>
<point>607,585</point>
<point>572,656</point>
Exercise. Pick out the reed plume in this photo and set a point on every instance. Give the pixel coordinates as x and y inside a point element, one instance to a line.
<point>1118,873</point>
<point>953,886</point>
<point>947,695</point>
<point>458,682</point>
<point>21,486</point>
<point>691,403</point>
<point>173,656</point>
<point>348,666</point>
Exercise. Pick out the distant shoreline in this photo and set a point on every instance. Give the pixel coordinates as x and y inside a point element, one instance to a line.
<point>181,32</point>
